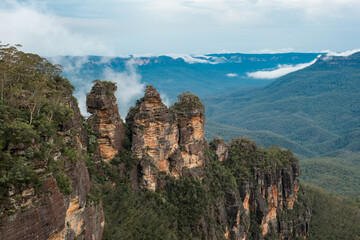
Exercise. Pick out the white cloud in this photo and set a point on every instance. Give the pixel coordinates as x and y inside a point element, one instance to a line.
<point>248,11</point>
<point>43,33</point>
<point>281,71</point>
<point>80,94</point>
<point>113,27</point>
<point>191,59</point>
<point>70,67</point>
<point>341,54</point>
<point>165,99</point>
<point>72,70</point>
<point>188,58</point>
<point>129,86</point>
<point>231,75</point>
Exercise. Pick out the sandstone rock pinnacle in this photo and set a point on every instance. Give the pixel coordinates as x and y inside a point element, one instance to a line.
<point>167,140</point>
<point>105,121</point>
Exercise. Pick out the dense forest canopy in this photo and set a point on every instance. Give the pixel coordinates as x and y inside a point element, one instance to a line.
<point>33,107</point>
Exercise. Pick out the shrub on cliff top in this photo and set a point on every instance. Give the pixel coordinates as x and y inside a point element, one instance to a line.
<point>188,102</point>
<point>245,156</point>
<point>108,85</point>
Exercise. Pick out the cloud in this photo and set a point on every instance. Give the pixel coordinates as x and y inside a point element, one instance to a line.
<point>71,68</point>
<point>231,75</point>
<point>165,99</point>
<point>129,86</point>
<point>188,58</point>
<point>115,27</point>
<point>248,11</point>
<point>341,54</point>
<point>43,33</point>
<point>191,59</point>
<point>281,71</point>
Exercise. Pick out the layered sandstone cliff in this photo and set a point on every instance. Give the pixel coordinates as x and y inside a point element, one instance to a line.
<point>167,140</point>
<point>105,120</point>
<point>266,193</point>
<point>190,115</point>
<point>55,210</point>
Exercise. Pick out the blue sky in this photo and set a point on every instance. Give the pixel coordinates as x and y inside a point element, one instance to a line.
<point>121,27</point>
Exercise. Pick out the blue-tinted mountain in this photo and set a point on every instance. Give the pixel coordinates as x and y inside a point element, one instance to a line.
<point>205,75</point>
<point>315,112</point>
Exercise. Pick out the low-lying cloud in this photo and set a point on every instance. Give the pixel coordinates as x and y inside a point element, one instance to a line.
<point>281,71</point>
<point>129,86</point>
<point>128,82</point>
<point>165,99</point>
<point>341,54</point>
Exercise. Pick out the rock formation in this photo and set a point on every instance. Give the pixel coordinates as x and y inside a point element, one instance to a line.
<point>155,135</point>
<point>105,119</point>
<point>172,141</point>
<point>220,148</point>
<point>264,197</point>
<point>47,213</point>
<point>191,120</point>
<point>167,144</point>
<point>166,140</point>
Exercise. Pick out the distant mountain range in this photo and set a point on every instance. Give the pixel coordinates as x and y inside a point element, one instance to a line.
<point>315,112</point>
<point>204,75</point>
<point>317,108</point>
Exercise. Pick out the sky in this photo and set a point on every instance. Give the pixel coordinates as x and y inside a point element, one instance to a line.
<point>122,27</point>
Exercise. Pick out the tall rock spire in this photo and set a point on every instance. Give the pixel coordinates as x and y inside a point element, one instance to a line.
<point>155,135</point>
<point>105,120</point>
<point>190,115</point>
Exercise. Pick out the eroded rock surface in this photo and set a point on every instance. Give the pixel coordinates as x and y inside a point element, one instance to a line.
<point>190,114</point>
<point>105,120</point>
<point>48,213</point>
<point>219,146</point>
<point>167,140</point>
<point>267,195</point>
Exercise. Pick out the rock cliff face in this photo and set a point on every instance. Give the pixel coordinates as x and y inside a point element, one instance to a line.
<point>191,120</point>
<point>47,213</point>
<point>219,146</point>
<point>172,141</point>
<point>105,119</point>
<point>251,195</point>
<point>266,195</point>
<point>166,140</point>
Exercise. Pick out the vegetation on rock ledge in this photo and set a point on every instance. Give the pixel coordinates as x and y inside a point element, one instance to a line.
<point>34,106</point>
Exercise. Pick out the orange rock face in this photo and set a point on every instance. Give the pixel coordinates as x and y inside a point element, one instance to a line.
<point>105,120</point>
<point>155,135</point>
<point>246,202</point>
<point>167,139</point>
<point>265,194</point>
<point>191,120</point>
<point>192,143</point>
